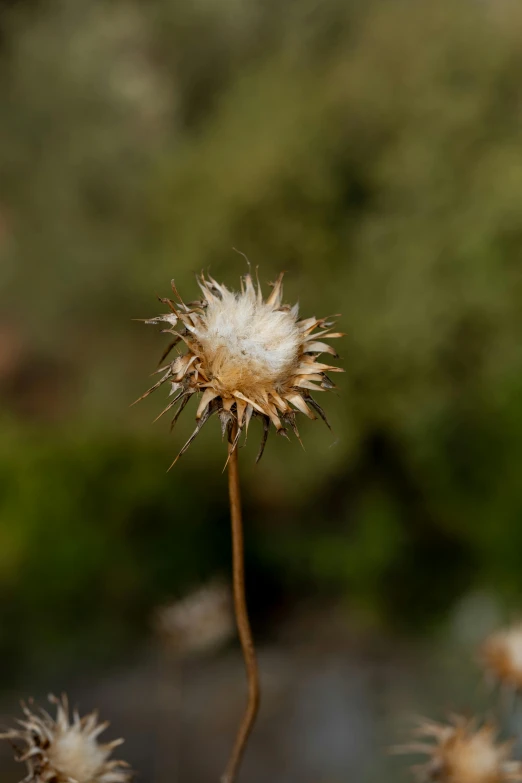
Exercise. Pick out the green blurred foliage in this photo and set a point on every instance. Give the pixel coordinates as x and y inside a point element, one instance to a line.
<point>374,151</point>
<point>93,535</point>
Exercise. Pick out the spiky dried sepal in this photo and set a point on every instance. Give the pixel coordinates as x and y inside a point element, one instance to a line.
<point>246,356</point>
<point>462,751</point>
<point>61,750</point>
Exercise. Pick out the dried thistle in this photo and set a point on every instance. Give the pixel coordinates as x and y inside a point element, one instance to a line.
<point>462,752</point>
<point>246,356</point>
<point>58,750</point>
<point>200,622</point>
<point>501,656</point>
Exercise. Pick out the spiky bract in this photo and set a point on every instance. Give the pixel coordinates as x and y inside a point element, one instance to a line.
<point>61,750</point>
<point>501,655</point>
<point>247,356</point>
<point>463,752</point>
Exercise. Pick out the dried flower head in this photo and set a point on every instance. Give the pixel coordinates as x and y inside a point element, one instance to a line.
<point>461,752</point>
<point>66,751</point>
<point>247,356</point>
<point>200,622</point>
<point>501,655</point>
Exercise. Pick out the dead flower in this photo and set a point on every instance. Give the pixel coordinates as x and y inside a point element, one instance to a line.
<point>198,623</point>
<point>501,656</point>
<point>462,752</point>
<point>58,750</point>
<point>247,356</point>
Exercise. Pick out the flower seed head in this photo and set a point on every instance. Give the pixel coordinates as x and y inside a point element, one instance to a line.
<point>459,752</point>
<point>62,750</point>
<point>200,622</point>
<point>501,656</point>
<point>246,356</point>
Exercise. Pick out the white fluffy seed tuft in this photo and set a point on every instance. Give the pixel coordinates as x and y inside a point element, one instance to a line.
<point>77,755</point>
<point>248,343</point>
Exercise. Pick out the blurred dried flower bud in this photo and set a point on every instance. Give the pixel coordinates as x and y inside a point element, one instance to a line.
<point>463,752</point>
<point>200,622</point>
<point>63,751</point>
<point>501,656</point>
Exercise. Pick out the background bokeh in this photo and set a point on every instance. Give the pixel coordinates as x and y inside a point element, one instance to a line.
<point>373,150</point>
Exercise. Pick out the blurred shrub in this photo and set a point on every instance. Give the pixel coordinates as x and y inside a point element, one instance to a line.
<point>92,536</point>
<point>375,152</point>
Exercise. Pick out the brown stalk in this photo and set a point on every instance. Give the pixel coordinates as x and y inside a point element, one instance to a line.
<point>243,624</point>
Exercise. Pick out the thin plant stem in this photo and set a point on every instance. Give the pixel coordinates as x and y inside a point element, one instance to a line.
<point>243,624</point>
